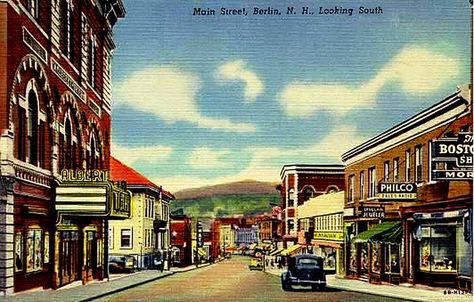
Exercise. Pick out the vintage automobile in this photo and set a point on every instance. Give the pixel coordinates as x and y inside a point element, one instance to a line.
<point>304,270</point>
<point>121,263</point>
<point>256,264</point>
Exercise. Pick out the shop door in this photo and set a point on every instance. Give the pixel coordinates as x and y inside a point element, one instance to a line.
<point>91,254</point>
<point>68,257</point>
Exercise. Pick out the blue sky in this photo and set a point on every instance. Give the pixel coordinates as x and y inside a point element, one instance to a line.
<point>202,100</point>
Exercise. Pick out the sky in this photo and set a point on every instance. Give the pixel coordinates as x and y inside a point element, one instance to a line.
<point>201,100</point>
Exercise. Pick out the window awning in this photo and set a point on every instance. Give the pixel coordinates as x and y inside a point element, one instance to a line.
<point>388,232</point>
<point>201,252</point>
<point>292,250</point>
<point>277,252</point>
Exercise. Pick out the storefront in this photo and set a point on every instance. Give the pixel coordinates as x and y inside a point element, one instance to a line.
<point>374,255</point>
<point>84,201</point>
<point>442,250</point>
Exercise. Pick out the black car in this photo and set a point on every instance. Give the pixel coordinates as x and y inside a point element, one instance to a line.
<point>305,270</point>
<point>121,263</point>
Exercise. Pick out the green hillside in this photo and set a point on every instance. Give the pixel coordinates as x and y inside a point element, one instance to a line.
<point>228,205</point>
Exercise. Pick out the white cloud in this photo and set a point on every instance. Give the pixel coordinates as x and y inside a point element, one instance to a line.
<point>206,158</point>
<point>419,71</point>
<point>237,71</point>
<point>170,94</point>
<point>339,140</point>
<point>131,155</point>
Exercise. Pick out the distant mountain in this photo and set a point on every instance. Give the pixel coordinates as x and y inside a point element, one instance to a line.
<point>243,197</point>
<point>245,187</point>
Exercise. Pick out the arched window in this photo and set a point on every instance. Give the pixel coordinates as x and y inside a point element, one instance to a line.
<point>308,192</point>
<point>32,127</point>
<point>94,156</point>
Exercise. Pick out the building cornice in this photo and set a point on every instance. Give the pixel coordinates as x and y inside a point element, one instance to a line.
<point>427,120</point>
<point>311,169</point>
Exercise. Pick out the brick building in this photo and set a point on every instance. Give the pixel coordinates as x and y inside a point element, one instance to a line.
<point>403,223</point>
<point>55,111</point>
<point>181,239</point>
<point>299,183</point>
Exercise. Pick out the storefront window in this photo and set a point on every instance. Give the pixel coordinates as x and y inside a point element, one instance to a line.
<point>438,248</point>
<point>364,257</point>
<point>18,252</point>
<point>46,247</point>
<point>392,258</point>
<point>376,257</point>
<point>34,251</point>
<point>353,258</point>
<point>329,255</point>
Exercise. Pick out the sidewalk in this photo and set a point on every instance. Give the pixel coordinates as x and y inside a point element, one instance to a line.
<point>95,289</point>
<point>406,292</point>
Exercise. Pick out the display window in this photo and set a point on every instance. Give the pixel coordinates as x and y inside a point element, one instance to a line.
<point>392,258</point>
<point>329,255</point>
<point>34,248</point>
<point>438,248</point>
<point>18,252</point>
<point>364,257</point>
<point>353,257</point>
<point>376,257</point>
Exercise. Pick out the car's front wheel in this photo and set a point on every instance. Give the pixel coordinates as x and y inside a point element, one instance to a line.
<point>285,285</point>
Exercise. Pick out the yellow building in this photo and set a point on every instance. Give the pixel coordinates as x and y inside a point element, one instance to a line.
<point>146,235</point>
<point>320,225</point>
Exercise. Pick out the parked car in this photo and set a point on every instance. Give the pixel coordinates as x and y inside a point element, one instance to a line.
<point>256,264</point>
<point>304,270</point>
<point>121,263</point>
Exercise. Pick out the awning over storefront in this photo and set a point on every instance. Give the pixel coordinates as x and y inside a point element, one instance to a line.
<point>252,246</point>
<point>201,252</point>
<point>333,244</point>
<point>388,232</point>
<point>292,250</point>
<point>276,252</point>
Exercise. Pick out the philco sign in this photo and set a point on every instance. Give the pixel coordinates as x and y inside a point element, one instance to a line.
<point>455,154</point>
<point>397,190</point>
<point>372,212</point>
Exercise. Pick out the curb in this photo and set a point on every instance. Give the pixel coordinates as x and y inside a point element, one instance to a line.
<point>139,283</point>
<point>369,292</point>
<point>127,287</point>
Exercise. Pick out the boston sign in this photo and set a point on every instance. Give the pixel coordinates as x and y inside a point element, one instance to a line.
<point>397,190</point>
<point>452,158</point>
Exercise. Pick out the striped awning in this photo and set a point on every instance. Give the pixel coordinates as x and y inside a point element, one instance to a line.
<point>294,249</point>
<point>276,252</point>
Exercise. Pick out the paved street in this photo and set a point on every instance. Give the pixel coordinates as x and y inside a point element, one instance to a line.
<point>230,280</point>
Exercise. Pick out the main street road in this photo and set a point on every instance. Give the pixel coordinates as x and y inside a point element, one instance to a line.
<point>230,280</point>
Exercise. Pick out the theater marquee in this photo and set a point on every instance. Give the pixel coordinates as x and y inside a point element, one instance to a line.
<point>89,193</point>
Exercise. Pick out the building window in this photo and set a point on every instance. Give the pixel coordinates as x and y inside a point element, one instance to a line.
<point>91,61</point>
<point>396,173</point>
<point>126,238</point>
<point>407,166</point>
<point>291,225</point>
<point>32,128</point>
<point>33,8</point>
<point>308,193</point>
<point>34,248</point>
<point>418,164</point>
<point>361,185</point>
<point>372,182</point>
<point>350,190</point>
<point>386,171</point>
<point>46,248</point>
<point>165,212</point>
<point>291,198</point>
<point>18,252</point>
<point>67,25</point>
